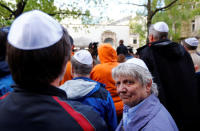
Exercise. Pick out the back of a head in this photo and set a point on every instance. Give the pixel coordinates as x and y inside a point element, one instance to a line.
<point>107,53</point>
<point>121,42</point>
<point>38,49</point>
<point>190,43</point>
<point>159,30</point>
<point>82,63</point>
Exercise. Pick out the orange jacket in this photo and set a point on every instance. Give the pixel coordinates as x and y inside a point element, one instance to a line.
<point>68,74</point>
<point>103,73</point>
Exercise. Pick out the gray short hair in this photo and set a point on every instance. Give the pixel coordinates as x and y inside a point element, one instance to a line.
<point>79,68</point>
<point>156,34</point>
<point>135,71</point>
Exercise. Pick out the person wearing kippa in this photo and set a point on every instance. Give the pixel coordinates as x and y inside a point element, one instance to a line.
<point>38,50</point>
<point>191,45</point>
<point>103,74</point>
<point>142,109</point>
<point>6,80</point>
<point>87,91</point>
<point>173,71</point>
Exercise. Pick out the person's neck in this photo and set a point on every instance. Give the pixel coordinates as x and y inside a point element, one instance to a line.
<point>55,82</point>
<point>77,75</point>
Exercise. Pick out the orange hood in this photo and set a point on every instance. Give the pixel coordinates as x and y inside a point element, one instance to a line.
<point>107,53</point>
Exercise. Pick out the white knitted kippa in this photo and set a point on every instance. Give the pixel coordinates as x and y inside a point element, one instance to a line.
<point>161,27</point>
<point>192,41</point>
<point>34,30</point>
<point>138,62</point>
<point>84,57</point>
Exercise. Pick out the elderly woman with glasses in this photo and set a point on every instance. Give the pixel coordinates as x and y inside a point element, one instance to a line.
<point>142,109</point>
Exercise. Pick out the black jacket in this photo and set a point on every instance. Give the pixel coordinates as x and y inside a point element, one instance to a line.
<point>44,108</point>
<point>4,69</point>
<point>173,71</point>
<point>121,49</point>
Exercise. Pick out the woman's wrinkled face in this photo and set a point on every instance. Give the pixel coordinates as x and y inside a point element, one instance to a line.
<point>131,90</point>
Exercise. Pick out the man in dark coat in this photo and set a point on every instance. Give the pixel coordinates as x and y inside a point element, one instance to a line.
<point>121,49</point>
<point>173,71</point>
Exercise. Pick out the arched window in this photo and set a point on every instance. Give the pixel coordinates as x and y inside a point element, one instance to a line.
<point>108,40</point>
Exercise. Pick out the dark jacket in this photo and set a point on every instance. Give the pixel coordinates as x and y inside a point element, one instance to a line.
<point>173,71</point>
<point>121,49</point>
<point>44,108</point>
<point>92,93</point>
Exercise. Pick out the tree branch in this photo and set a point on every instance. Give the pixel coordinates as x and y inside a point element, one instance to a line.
<point>67,13</point>
<point>165,7</point>
<point>6,7</point>
<point>144,5</point>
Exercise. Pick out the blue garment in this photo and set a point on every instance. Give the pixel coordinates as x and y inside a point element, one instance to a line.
<point>5,78</point>
<point>151,115</point>
<point>129,112</point>
<point>5,84</point>
<point>92,93</point>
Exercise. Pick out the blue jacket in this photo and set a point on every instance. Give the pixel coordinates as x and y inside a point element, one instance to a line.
<point>5,78</point>
<point>151,115</point>
<point>92,93</point>
<point>45,108</point>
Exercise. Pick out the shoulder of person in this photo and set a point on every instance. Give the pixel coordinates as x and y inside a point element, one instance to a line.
<point>88,112</point>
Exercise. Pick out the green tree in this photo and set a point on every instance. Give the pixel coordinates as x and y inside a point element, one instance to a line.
<point>137,26</point>
<point>9,10</point>
<point>152,7</point>
<point>182,12</point>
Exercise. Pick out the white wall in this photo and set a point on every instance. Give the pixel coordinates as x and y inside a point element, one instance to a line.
<point>83,36</point>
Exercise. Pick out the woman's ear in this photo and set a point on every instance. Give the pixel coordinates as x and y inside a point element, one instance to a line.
<point>148,86</point>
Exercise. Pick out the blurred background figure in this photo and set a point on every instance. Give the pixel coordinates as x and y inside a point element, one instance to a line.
<point>5,76</point>
<point>130,53</point>
<point>68,75</point>
<point>121,58</point>
<point>93,50</point>
<point>122,49</point>
<point>191,45</point>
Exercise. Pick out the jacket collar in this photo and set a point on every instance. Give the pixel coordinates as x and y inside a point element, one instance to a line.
<point>41,89</point>
<point>162,42</point>
<point>145,113</point>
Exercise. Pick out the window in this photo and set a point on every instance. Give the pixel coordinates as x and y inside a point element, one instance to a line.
<point>193,25</point>
<point>134,41</point>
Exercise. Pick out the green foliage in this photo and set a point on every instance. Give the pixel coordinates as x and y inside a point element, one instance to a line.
<point>175,16</point>
<point>9,9</point>
<point>138,26</point>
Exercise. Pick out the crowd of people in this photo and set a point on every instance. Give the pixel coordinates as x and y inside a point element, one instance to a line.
<point>46,86</point>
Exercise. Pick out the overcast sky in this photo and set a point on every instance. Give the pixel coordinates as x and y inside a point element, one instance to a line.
<point>111,8</point>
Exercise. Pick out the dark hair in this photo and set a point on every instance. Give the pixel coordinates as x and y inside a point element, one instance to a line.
<point>40,66</point>
<point>3,41</point>
<point>121,41</point>
<point>93,49</point>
